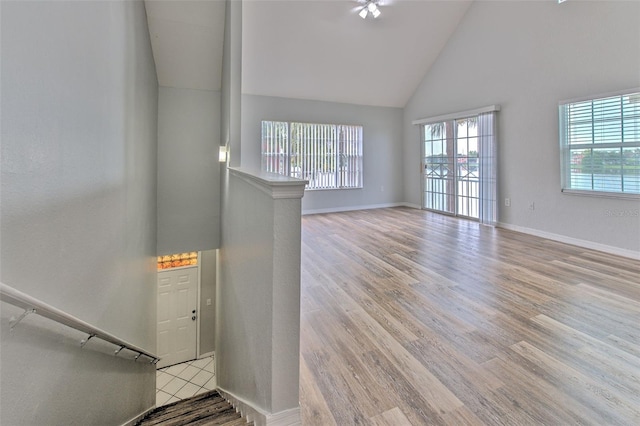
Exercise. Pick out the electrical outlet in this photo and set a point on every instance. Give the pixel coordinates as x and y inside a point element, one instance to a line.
<point>507,202</point>
<point>208,302</point>
<point>532,206</point>
<point>382,188</point>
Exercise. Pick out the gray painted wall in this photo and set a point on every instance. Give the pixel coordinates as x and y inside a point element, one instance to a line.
<point>188,170</point>
<point>231,81</point>
<point>382,146</point>
<point>243,338</point>
<point>207,291</point>
<point>258,299</point>
<point>79,126</point>
<point>528,56</point>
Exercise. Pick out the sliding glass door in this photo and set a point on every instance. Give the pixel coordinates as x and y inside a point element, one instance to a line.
<point>451,167</point>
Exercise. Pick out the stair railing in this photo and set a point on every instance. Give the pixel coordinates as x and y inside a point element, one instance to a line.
<point>31,305</point>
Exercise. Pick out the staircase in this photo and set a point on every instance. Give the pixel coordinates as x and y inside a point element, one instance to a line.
<point>205,409</point>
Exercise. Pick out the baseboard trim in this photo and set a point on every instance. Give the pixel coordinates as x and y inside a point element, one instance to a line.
<point>139,417</point>
<point>289,417</point>
<point>412,206</point>
<point>353,208</point>
<point>573,241</point>
<point>208,354</point>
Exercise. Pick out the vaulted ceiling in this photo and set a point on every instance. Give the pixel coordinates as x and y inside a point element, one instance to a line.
<point>305,49</point>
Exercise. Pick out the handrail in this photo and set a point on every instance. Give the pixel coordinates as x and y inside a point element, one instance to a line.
<point>32,305</point>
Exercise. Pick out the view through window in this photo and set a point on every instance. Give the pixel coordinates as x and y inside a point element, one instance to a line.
<point>600,144</point>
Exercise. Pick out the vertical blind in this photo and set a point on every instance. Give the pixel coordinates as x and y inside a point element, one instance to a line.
<point>275,147</point>
<point>488,167</point>
<point>328,156</point>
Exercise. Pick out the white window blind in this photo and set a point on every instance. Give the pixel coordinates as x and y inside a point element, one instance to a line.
<point>600,144</point>
<point>329,156</point>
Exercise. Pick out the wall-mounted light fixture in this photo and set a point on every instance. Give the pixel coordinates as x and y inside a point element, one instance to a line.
<point>370,7</point>
<point>222,154</point>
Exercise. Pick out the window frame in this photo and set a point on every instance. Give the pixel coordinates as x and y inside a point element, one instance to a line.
<point>315,151</point>
<point>566,145</point>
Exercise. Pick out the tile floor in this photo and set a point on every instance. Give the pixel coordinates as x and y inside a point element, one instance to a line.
<point>185,380</point>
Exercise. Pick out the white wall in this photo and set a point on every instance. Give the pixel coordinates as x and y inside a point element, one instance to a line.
<point>78,215</point>
<point>188,170</point>
<point>382,146</point>
<point>528,56</point>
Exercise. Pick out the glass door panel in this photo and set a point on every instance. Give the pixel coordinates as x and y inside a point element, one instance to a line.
<point>439,168</point>
<point>467,179</point>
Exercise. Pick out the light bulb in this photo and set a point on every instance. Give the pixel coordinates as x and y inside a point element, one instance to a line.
<point>372,7</point>
<point>363,13</point>
<point>376,13</point>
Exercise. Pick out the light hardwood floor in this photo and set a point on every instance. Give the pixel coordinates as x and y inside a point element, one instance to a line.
<point>410,317</point>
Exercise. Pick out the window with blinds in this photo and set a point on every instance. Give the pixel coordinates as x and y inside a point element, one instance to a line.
<point>329,156</point>
<point>600,144</point>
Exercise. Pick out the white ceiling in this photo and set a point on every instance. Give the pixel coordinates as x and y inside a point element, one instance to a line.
<point>187,38</point>
<point>305,49</point>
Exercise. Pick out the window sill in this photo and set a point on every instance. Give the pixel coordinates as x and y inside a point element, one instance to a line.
<point>602,194</point>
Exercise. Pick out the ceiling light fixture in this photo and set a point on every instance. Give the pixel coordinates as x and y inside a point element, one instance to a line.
<point>370,7</point>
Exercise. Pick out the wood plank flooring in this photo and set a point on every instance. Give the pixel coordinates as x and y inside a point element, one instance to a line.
<point>207,409</point>
<point>415,318</point>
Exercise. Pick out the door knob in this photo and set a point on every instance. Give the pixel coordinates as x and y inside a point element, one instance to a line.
<point>193,317</point>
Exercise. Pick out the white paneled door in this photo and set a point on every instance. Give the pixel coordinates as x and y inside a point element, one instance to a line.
<point>177,299</point>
